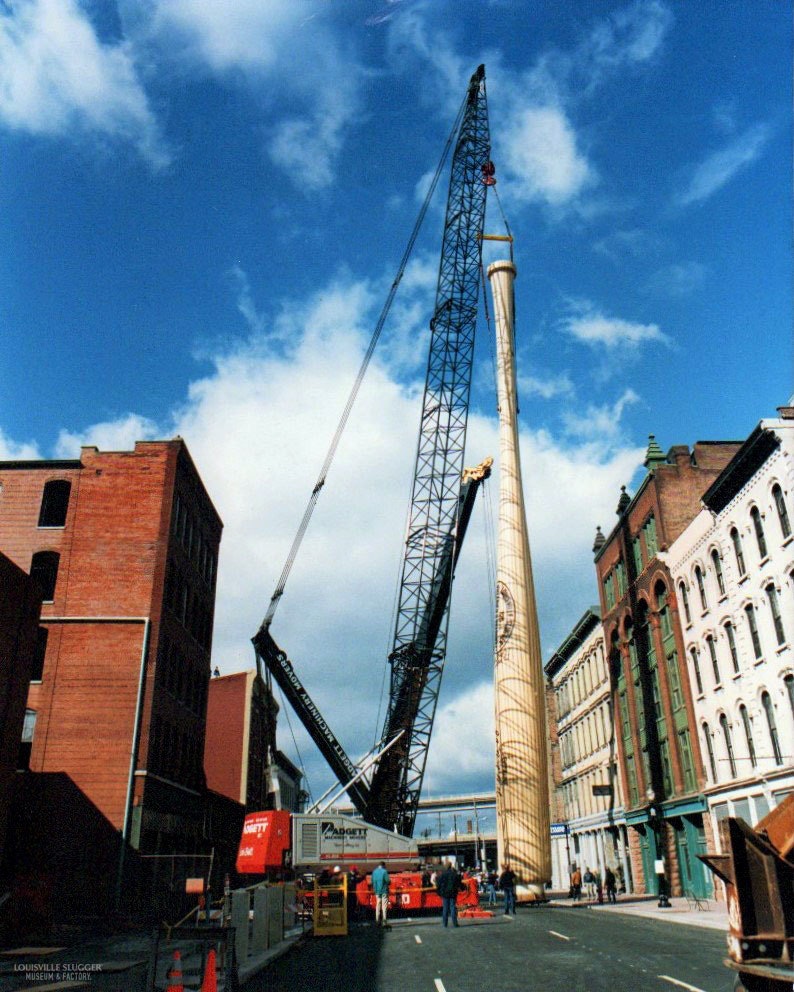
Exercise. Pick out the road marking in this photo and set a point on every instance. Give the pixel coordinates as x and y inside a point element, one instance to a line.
<point>684,985</point>
<point>439,985</point>
<point>560,935</point>
<point>417,938</point>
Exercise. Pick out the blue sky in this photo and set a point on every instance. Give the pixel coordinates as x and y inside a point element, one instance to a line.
<point>204,205</point>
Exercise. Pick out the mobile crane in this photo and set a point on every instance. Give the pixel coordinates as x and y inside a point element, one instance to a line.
<point>385,790</point>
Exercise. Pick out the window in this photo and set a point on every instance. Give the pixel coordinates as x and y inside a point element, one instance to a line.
<point>758,527</point>
<point>717,563</point>
<point>774,607</point>
<point>701,587</point>
<point>729,633</point>
<point>737,550</point>
<point>44,570</point>
<point>620,576</point>
<point>753,628</point>
<point>714,662</point>
<point>54,503</point>
<point>710,752</point>
<point>782,511</point>
<point>651,543</point>
<point>26,741</point>
<point>788,681</point>
<point>37,670</point>
<point>696,665</point>
<point>769,709</point>
<point>726,733</point>
<point>687,762</point>
<point>636,551</point>
<point>685,602</point>
<point>748,734</point>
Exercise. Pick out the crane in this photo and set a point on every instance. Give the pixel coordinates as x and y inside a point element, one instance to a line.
<point>441,503</point>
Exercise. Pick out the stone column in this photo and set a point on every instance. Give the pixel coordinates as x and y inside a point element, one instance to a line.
<point>522,793</point>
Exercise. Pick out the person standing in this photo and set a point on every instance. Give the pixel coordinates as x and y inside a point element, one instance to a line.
<point>380,887</point>
<point>589,881</point>
<point>507,883</point>
<point>610,884</point>
<point>576,884</point>
<point>448,884</point>
<point>493,878</point>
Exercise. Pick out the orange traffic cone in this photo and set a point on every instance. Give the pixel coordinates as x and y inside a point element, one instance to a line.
<point>174,975</point>
<point>210,983</point>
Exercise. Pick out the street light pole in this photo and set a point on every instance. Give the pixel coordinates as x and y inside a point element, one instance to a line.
<point>656,823</point>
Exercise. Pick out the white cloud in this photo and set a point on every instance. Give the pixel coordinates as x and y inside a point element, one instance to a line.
<point>111,435</point>
<point>463,739</point>
<point>595,329</point>
<point>243,34</point>
<point>541,156</point>
<point>55,76</point>
<point>719,168</point>
<point>547,388</point>
<point>13,451</point>
<point>599,422</point>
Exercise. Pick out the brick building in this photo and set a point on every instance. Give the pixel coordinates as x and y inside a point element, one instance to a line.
<point>124,546</point>
<point>658,751</point>
<point>20,605</point>
<point>241,737</point>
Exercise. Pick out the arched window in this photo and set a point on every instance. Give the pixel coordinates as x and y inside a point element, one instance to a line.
<point>738,551</point>
<point>788,681</point>
<point>54,503</point>
<point>782,511</point>
<point>685,602</point>
<point>44,570</point>
<point>701,587</point>
<point>748,734</point>
<point>38,657</point>
<point>753,628</point>
<point>726,733</point>
<point>714,662</point>
<point>729,633</point>
<point>758,527</point>
<point>774,608</point>
<point>695,654</point>
<point>716,561</point>
<point>769,709</point>
<point>710,752</point>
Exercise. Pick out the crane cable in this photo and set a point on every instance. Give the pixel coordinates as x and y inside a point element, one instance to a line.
<point>282,581</point>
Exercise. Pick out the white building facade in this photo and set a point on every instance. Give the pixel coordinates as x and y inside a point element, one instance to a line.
<point>733,570</point>
<point>589,783</point>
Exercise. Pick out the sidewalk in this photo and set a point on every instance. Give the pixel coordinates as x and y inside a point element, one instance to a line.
<point>715,917</point>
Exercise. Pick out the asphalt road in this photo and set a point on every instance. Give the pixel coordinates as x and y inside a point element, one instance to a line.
<point>540,950</point>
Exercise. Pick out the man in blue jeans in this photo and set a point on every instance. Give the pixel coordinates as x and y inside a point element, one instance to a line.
<point>507,883</point>
<point>448,885</point>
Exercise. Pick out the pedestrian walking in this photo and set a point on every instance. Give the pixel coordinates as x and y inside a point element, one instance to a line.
<point>380,886</point>
<point>448,885</point>
<point>507,883</point>
<point>589,882</point>
<point>576,884</point>
<point>610,884</point>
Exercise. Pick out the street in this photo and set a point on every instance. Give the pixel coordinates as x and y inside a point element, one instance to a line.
<point>540,950</point>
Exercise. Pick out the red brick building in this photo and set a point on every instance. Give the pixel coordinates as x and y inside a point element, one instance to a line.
<point>20,605</point>
<point>240,739</point>
<point>659,758</point>
<point>124,546</point>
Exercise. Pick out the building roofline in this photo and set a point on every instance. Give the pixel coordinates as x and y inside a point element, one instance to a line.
<point>589,620</point>
<point>758,447</point>
<point>41,463</point>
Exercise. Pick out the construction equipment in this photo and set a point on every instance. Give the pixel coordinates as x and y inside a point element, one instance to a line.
<point>441,504</point>
<point>757,867</point>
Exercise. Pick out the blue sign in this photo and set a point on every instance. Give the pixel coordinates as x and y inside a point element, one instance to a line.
<point>559,829</point>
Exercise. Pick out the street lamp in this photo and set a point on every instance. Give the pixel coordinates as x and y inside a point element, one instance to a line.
<point>656,822</point>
